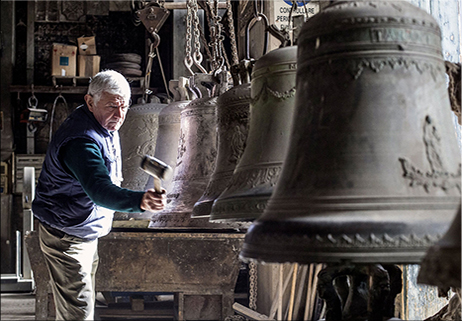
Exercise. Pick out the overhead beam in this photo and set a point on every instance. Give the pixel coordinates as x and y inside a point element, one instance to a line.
<point>182,5</point>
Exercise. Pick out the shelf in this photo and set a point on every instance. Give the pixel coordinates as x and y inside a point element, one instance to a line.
<point>75,85</point>
<point>82,90</point>
<point>49,89</point>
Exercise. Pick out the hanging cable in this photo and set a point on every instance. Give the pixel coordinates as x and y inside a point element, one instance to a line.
<point>60,96</point>
<point>163,74</point>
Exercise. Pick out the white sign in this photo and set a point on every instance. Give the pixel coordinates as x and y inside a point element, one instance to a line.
<point>282,10</point>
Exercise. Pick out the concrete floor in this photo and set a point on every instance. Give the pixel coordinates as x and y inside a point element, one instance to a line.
<point>17,306</point>
<point>21,306</point>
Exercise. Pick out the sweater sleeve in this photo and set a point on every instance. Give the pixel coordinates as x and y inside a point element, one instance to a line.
<point>85,162</point>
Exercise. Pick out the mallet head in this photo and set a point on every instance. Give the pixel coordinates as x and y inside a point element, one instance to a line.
<point>156,168</point>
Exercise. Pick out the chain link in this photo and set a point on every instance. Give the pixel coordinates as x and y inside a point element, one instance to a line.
<point>253,286</point>
<point>215,35</point>
<point>188,61</point>
<point>255,7</point>
<point>209,17</point>
<point>192,29</point>
<point>197,57</point>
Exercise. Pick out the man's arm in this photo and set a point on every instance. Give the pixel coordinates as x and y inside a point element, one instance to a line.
<point>85,163</point>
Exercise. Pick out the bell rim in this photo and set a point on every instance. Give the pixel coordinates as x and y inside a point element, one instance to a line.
<point>202,208</point>
<point>319,242</point>
<point>393,257</point>
<point>243,207</point>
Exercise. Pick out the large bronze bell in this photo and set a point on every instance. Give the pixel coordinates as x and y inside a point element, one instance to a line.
<point>197,150</point>
<point>232,122</point>
<point>169,129</point>
<point>271,110</point>
<point>441,265</point>
<point>372,174</point>
<point>138,137</point>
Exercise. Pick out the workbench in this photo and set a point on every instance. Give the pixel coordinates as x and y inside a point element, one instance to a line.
<point>196,266</point>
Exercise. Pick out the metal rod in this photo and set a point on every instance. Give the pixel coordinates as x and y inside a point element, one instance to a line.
<point>182,5</point>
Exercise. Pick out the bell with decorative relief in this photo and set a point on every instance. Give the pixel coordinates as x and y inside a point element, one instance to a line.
<point>232,122</point>
<point>197,151</point>
<point>138,137</point>
<point>271,111</point>
<point>373,173</point>
<point>169,129</point>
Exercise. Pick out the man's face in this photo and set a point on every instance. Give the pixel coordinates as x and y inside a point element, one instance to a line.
<point>109,111</point>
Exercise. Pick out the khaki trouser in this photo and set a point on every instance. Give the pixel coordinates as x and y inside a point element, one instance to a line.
<point>72,264</point>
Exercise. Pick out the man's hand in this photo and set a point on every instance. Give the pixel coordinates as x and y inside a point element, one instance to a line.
<point>153,201</point>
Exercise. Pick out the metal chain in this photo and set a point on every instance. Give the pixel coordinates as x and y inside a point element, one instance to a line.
<point>209,17</point>
<point>255,7</point>
<point>188,61</point>
<point>216,36</point>
<point>197,57</point>
<point>232,34</point>
<point>253,286</point>
<point>219,39</point>
<point>147,76</point>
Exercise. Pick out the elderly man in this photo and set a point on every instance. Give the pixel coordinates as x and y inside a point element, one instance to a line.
<point>79,190</point>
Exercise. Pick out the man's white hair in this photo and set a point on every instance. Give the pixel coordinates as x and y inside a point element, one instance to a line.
<point>109,81</point>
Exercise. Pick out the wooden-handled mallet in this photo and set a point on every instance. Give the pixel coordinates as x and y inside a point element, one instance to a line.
<point>157,169</point>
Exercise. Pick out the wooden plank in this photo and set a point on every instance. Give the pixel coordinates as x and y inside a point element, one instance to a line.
<point>281,291</point>
<point>277,297</point>
<point>308,293</point>
<point>292,293</point>
<point>239,308</point>
<point>301,287</point>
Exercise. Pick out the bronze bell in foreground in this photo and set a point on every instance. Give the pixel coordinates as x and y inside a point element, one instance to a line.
<point>169,128</point>
<point>372,174</point>
<point>271,111</point>
<point>196,157</point>
<point>232,122</point>
<point>441,265</point>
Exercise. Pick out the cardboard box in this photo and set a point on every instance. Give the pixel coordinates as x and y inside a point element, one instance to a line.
<point>87,46</point>
<point>89,65</point>
<point>64,60</point>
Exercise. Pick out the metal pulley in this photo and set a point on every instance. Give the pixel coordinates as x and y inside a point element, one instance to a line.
<point>32,113</point>
<point>153,16</point>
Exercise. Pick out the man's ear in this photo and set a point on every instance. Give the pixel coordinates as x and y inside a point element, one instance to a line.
<point>90,102</point>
